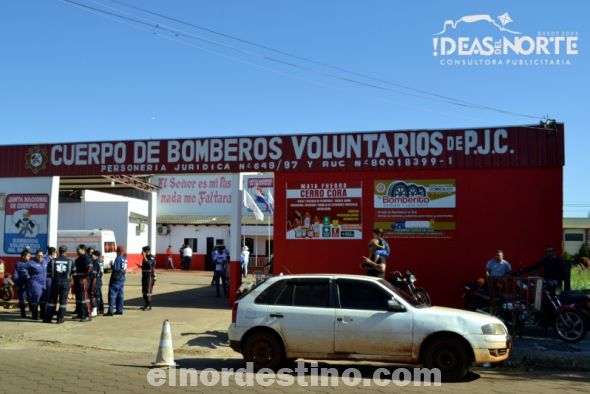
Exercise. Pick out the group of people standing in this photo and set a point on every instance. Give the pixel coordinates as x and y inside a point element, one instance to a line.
<point>46,280</point>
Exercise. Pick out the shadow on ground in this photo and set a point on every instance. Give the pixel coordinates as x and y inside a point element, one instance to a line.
<point>199,297</point>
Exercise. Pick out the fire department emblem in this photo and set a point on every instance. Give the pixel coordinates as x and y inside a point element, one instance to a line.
<point>36,159</point>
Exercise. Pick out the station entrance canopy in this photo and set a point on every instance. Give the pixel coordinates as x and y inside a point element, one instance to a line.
<point>520,146</point>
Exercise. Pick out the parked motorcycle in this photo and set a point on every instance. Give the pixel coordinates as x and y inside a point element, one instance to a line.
<point>565,313</point>
<point>7,289</point>
<point>573,320</point>
<point>406,282</point>
<point>6,285</point>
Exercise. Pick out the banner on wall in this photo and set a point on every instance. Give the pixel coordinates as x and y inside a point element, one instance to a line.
<point>25,222</point>
<point>202,195</point>
<point>261,188</point>
<point>324,210</point>
<point>417,208</point>
<point>495,147</point>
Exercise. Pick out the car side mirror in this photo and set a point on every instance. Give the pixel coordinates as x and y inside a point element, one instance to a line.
<point>394,305</point>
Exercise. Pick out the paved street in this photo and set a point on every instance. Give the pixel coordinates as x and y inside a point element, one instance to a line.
<point>113,354</point>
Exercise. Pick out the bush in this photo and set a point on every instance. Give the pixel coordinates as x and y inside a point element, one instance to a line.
<point>584,250</point>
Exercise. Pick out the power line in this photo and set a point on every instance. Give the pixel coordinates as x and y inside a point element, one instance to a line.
<point>177,33</point>
<point>448,99</point>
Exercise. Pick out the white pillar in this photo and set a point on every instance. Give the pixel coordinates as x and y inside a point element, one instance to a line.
<point>235,229</point>
<point>152,214</point>
<point>235,236</point>
<point>52,224</point>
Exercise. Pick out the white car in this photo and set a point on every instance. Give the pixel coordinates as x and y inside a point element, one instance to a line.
<point>351,317</point>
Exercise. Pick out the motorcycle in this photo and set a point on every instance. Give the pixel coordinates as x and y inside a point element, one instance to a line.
<point>563,312</point>
<point>573,320</point>
<point>7,289</point>
<point>406,282</point>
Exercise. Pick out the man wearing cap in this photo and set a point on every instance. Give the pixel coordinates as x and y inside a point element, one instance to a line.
<point>117,282</point>
<point>148,277</point>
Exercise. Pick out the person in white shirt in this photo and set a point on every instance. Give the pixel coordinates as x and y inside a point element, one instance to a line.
<point>244,259</point>
<point>187,255</point>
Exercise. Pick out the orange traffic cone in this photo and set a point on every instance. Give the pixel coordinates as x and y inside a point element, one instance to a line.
<point>165,357</point>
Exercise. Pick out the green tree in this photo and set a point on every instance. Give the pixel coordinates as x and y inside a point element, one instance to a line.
<point>584,250</point>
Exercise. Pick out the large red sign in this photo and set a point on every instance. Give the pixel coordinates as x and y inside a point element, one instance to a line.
<point>523,146</point>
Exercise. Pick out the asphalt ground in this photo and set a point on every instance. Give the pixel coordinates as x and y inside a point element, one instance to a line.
<point>114,354</point>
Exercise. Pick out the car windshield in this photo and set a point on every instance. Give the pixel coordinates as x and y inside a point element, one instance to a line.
<point>402,294</point>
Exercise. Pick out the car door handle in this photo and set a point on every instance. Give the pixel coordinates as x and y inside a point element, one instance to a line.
<point>344,319</point>
<point>277,315</point>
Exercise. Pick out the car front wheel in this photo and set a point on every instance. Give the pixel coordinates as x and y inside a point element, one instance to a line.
<point>264,350</point>
<point>450,356</point>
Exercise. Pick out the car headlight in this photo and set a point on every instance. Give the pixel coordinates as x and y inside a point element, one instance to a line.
<point>493,329</point>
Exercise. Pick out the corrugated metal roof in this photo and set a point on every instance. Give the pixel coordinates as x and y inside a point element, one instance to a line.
<point>210,220</point>
<point>576,222</point>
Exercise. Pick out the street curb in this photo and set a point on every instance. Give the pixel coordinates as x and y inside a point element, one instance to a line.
<point>540,357</point>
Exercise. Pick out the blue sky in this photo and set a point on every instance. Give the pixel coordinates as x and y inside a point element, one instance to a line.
<point>72,75</point>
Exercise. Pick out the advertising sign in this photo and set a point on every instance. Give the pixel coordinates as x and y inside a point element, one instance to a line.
<point>361,151</point>
<point>204,195</point>
<point>324,210</point>
<point>417,208</point>
<point>25,222</point>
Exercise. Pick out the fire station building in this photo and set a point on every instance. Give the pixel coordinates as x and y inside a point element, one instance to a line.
<point>446,199</point>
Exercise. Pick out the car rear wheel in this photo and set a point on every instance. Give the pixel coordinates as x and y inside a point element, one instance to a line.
<point>264,350</point>
<point>450,356</point>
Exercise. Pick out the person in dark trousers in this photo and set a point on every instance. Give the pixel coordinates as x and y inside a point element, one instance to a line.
<point>51,254</point>
<point>220,258</point>
<point>148,277</point>
<point>82,272</point>
<point>93,283</point>
<point>35,277</point>
<point>60,271</point>
<point>117,282</point>
<point>19,278</point>
<point>99,276</point>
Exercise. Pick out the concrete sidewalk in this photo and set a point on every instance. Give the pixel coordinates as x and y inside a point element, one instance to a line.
<point>540,348</point>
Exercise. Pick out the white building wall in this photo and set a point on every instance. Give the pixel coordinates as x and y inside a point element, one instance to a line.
<point>134,241</point>
<point>179,232</point>
<point>89,215</point>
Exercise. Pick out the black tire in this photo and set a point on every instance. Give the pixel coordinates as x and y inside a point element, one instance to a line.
<point>6,294</point>
<point>450,356</point>
<point>264,350</point>
<point>570,326</point>
<point>422,296</point>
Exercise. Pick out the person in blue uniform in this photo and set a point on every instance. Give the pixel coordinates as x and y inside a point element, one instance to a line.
<point>82,271</point>
<point>92,278</point>
<point>220,259</point>
<point>117,282</point>
<point>60,271</point>
<point>35,277</point>
<point>98,271</point>
<point>148,277</point>
<point>51,254</point>
<point>20,281</point>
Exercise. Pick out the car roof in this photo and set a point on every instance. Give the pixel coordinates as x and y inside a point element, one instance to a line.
<point>331,276</point>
